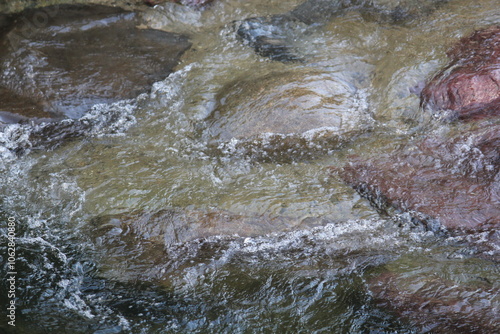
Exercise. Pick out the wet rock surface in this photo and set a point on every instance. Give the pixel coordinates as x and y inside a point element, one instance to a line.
<point>451,181</point>
<point>188,270</point>
<point>60,61</point>
<point>16,6</point>
<point>139,244</point>
<point>174,226</point>
<point>289,114</point>
<point>195,3</point>
<point>191,3</point>
<point>441,295</point>
<point>469,86</point>
<point>273,36</point>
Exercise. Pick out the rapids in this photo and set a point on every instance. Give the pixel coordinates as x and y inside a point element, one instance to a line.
<point>155,152</point>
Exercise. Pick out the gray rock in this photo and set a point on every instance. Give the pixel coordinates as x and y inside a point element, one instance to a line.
<point>16,6</point>
<point>60,61</point>
<point>273,36</point>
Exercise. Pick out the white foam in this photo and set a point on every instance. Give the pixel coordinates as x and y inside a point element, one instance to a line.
<point>102,120</point>
<point>374,238</point>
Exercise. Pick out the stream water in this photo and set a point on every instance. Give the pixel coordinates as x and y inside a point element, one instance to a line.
<point>155,155</point>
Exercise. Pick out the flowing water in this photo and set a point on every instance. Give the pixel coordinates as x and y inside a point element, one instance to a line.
<point>154,154</point>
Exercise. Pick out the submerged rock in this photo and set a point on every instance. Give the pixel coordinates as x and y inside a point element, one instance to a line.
<point>192,3</point>
<point>16,6</point>
<point>441,295</point>
<point>175,226</point>
<point>195,3</point>
<point>454,182</point>
<point>143,244</point>
<point>60,61</point>
<point>469,86</point>
<point>273,36</point>
<point>287,115</point>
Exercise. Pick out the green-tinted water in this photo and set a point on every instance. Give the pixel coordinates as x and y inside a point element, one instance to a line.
<point>312,280</point>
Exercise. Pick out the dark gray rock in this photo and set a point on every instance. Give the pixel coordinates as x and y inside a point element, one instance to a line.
<point>273,36</point>
<point>60,61</point>
<point>16,6</point>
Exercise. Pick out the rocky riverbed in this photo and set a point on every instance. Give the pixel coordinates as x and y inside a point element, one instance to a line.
<point>231,166</point>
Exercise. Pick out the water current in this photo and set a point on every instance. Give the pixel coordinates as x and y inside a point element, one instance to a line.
<point>154,153</point>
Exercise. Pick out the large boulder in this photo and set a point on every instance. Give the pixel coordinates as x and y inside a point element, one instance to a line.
<point>57,62</point>
<point>453,181</point>
<point>469,86</point>
<point>450,181</point>
<point>287,115</point>
<point>14,6</point>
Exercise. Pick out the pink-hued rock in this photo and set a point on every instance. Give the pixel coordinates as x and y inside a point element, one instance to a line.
<point>437,304</point>
<point>455,182</point>
<point>469,86</point>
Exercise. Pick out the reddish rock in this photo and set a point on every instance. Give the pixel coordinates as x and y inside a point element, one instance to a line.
<point>455,182</point>
<point>445,303</point>
<point>469,86</point>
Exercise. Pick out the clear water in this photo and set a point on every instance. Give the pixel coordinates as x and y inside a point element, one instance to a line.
<point>154,155</point>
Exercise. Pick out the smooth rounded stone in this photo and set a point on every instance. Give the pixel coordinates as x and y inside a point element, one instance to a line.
<point>287,115</point>
<point>451,182</point>
<point>272,36</point>
<point>142,245</point>
<point>440,295</point>
<point>469,86</point>
<point>60,61</point>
